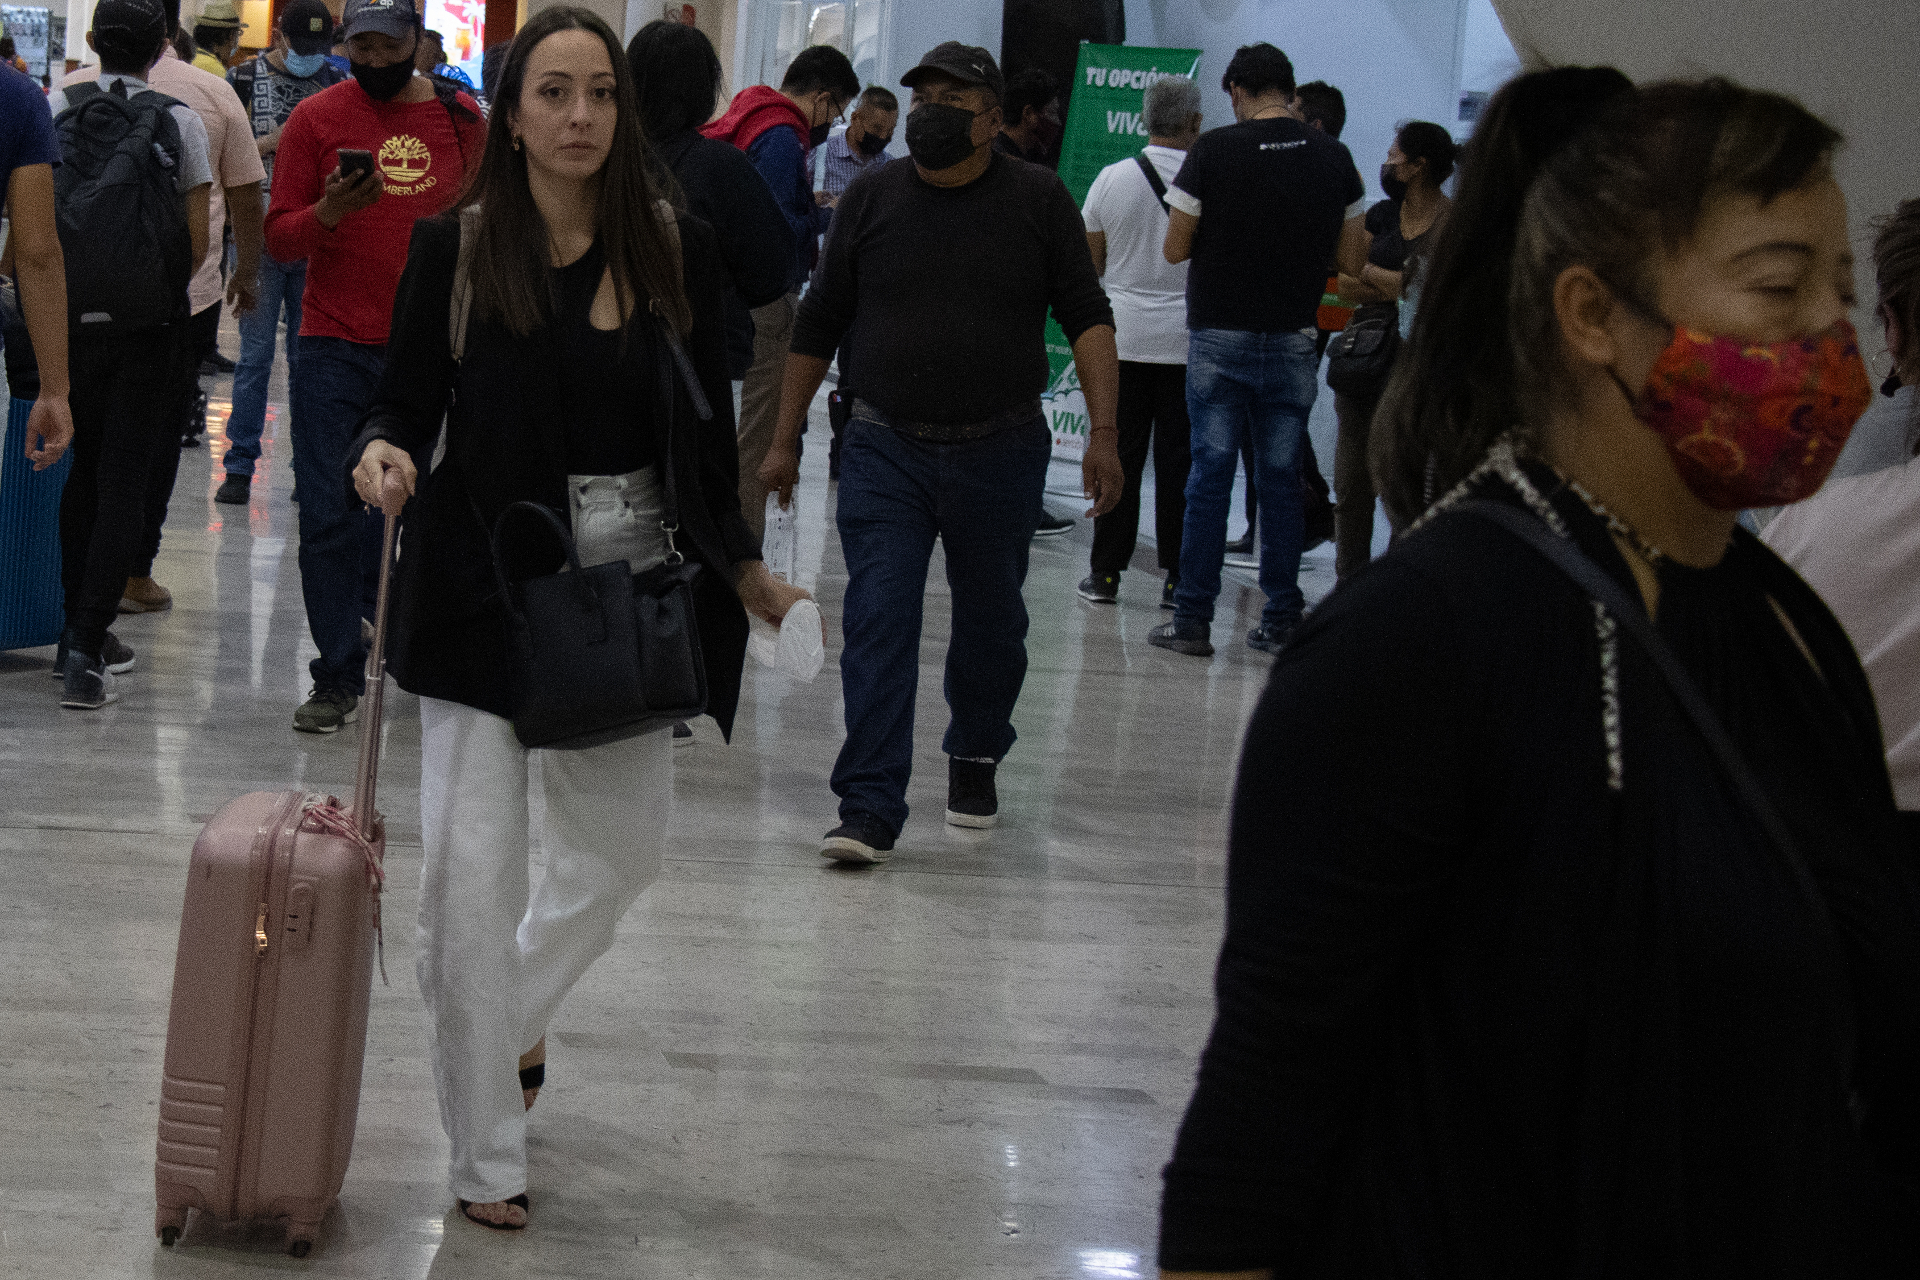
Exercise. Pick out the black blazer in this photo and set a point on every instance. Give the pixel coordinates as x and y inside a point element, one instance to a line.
<point>445,626</point>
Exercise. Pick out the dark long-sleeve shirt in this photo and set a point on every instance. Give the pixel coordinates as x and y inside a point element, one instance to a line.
<point>781,158</point>
<point>944,291</point>
<point>1480,1016</point>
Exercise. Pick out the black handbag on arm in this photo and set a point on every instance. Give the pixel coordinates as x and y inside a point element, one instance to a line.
<point>1360,357</point>
<point>600,654</point>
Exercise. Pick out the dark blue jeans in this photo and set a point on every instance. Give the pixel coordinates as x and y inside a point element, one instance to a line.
<point>281,287</point>
<point>332,386</point>
<point>1257,387</point>
<point>981,498</point>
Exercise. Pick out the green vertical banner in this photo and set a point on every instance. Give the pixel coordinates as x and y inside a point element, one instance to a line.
<point>1103,125</point>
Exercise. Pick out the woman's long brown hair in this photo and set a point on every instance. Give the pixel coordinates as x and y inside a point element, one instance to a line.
<point>513,275</point>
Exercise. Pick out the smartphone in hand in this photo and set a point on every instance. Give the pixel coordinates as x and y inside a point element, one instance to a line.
<point>355,163</point>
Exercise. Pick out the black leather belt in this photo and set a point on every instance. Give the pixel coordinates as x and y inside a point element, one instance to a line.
<point>950,432</point>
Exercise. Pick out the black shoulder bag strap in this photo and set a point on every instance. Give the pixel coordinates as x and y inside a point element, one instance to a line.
<point>1153,179</point>
<point>1630,613</point>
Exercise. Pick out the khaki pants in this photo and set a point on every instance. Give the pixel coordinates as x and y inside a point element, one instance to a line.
<point>760,402</point>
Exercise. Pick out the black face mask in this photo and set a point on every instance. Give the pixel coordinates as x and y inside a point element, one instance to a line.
<point>383,84</point>
<point>818,134</point>
<point>939,136</point>
<point>872,144</point>
<point>1394,186</point>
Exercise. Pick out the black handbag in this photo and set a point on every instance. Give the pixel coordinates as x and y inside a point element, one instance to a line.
<point>1360,357</point>
<point>601,654</point>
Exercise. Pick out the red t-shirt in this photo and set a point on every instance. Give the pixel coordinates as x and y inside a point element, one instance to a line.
<point>354,269</point>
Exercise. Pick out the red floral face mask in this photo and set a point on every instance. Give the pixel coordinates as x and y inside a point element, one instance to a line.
<point>1754,424</point>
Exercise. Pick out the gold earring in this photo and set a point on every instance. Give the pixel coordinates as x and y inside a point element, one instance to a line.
<point>516,142</point>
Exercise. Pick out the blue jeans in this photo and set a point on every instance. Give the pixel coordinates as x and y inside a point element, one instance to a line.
<point>1258,387</point>
<point>981,498</point>
<point>281,286</point>
<point>333,385</point>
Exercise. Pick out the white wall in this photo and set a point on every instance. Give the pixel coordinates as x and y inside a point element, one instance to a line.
<point>1853,64</point>
<point>1395,60</point>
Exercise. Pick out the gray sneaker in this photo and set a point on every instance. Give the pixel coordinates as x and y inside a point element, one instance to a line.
<point>118,657</point>
<point>1181,637</point>
<point>88,685</point>
<point>325,711</point>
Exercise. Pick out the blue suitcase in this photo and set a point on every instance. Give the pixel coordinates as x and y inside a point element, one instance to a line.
<point>32,611</point>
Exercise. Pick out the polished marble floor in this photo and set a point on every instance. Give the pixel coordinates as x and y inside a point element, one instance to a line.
<point>967,1063</point>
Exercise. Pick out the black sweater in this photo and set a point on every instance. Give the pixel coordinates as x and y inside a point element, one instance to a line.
<point>1480,1017</point>
<point>506,439</point>
<point>725,191</point>
<point>946,289</point>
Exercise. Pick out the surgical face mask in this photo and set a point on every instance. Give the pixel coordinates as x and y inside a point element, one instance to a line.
<point>1754,424</point>
<point>383,83</point>
<point>872,144</point>
<point>303,65</point>
<point>939,136</point>
<point>1392,183</point>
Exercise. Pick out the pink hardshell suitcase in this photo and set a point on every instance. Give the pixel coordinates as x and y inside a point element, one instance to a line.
<point>268,1027</point>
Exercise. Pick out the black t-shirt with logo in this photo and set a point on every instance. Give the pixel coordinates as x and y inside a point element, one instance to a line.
<point>1271,196</point>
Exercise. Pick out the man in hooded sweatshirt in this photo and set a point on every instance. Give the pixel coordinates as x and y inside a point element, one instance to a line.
<point>777,128</point>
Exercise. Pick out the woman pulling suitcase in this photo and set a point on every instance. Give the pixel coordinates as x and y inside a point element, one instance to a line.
<point>557,394</point>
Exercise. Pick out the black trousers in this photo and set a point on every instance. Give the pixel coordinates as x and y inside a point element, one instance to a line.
<point>194,340</point>
<point>1152,411</point>
<point>122,413</point>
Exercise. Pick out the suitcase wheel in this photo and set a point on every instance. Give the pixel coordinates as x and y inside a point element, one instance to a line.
<point>300,1237</point>
<point>300,1248</point>
<point>167,1223</point>
<point>168,1235</point>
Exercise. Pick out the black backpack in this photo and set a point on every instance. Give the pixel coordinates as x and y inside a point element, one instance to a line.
<point>121,219</point>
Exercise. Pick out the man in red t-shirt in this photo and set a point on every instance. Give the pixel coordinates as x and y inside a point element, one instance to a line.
<point>353,229</point>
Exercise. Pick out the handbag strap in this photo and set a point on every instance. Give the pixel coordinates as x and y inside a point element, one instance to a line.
<point>1153,180</point>
<point>553,521</point>
<point>1630,613</point>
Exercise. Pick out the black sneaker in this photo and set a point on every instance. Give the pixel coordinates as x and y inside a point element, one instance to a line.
<point>1188,638</point>
<point>87,685</point>
<point>1241,546</point>
<point>216,364</point>
<point>1051,525</point>
<point>117,656</point>
<point>862,840</point>
<point>326,711</point>
<point>682,735</point>
<point>1269,639</point>
<point>1171,585</point>
<point>1100,588</point>
<point>293,495</point>
<point>971,800</point>
<point>235,490</point>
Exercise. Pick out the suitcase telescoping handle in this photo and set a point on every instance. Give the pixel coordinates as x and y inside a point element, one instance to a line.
<point>393,496</point>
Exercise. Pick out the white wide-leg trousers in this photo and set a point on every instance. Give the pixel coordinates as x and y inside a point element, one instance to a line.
<point>492,965</point>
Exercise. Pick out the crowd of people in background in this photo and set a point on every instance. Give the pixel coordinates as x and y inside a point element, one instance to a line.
<point>1572,920</point>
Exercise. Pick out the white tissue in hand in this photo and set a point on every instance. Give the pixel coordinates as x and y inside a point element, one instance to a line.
<point>796,649</point>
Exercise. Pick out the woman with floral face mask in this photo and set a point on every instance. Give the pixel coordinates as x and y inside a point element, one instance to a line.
<point>1589,941</point>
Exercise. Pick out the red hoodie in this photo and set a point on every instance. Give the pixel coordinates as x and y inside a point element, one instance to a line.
<point>753,112</point>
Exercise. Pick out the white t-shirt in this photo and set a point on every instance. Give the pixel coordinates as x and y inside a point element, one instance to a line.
<point>196,170</point>
<point>1149,294</point>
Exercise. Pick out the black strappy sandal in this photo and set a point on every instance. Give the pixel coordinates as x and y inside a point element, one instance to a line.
<point>520,1200</point>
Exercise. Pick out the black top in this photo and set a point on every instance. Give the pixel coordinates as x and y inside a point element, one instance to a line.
<point>945,290</point>
<point>725,191</point>
<point>504,407</point>
<point>1480,1016</point>
<point>1389,249</point>
<point>609,429</point>
<point>1272,197</point>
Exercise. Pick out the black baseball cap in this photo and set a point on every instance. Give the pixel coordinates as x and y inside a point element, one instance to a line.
<point>967,63</point>
<point>396,18</point>
<point>307,26</point>
<point>141,19</point>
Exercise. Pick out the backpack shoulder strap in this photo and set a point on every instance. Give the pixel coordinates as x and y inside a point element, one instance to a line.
<point>1153,179</point>
<point>461,305</point>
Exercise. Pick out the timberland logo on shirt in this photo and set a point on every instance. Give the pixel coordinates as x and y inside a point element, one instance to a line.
<point>404,161</point>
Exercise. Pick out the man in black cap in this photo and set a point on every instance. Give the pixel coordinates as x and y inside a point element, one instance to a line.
<point>270,86</point>
<point>940,274</point>
<point>352,226</point>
